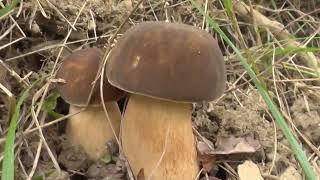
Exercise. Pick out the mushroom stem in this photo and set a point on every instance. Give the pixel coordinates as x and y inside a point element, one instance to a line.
<point>91,129</point>
<point>157,137</point>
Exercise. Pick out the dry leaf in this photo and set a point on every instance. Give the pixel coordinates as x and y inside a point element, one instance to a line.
<point>249,171</point>
<point>224,145</point>
<point>233,145</point>
<point>203,147</point>
<point>207,160</point>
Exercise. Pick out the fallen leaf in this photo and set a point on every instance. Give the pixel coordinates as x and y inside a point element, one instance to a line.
<point>207,160</point>
<point>204,147</point>
<point>233,145</point>
<point>249,170</point>
<point>207,155</point>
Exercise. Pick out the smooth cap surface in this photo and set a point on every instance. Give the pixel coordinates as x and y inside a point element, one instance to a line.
<point>168,61</point>
<point>79,70</point>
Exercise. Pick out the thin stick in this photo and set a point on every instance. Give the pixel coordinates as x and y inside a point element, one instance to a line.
<point>14,74</point>
<point>94,25</point>
<point>274,149</point>
<point>36,159</point>
<point>60,14</point>
<point>35,119</point>
<point>27,132</point>
<point>5,90</point>
<point>35,114</point>
<point>53,46</point>
<point>103,104</point>
<point>42,10</point>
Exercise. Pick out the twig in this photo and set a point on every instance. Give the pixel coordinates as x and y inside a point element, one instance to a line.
<point>36,159</point>
<point>27,132</point>
<point>35,119</point>
<point>94,25</point>
<point>5,90</point>
<point>60,14</point>
<point>13,73</point>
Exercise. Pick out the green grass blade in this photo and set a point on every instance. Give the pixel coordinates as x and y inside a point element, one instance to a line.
<point>295,146</point>
<point>8,7</point>
<point>291,50</point>
<point>8,159</point>
<point>228,8</point>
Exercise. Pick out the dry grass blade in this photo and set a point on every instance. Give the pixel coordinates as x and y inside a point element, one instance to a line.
<point>35,120</point>
<point>279,39</point>
<point>36,159</point>
<point>278,31</point>
<point>14,74</point>
<point>295,146</point>
<point>31,130</point>
<point>11,99</point>
<point>60,14</point>
<point>5,90</point>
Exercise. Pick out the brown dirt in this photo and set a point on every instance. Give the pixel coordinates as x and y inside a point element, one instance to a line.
<point>228,118</point>
<point>239,112</point>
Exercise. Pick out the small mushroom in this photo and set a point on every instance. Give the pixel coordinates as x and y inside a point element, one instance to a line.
<point>90,128</point>
<point>165,67</point>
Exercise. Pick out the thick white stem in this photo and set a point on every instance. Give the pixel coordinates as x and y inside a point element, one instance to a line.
<point>91,129</point>
<point>157,137</point>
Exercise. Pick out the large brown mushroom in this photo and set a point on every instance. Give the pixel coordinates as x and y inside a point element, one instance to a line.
<point>165,67</point>
<point>90,128</point>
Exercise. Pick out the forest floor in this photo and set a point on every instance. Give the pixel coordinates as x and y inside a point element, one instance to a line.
<point>235,133</point>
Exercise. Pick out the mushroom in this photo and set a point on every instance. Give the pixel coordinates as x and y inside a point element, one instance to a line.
<point>90,128</point>
<point>165,67</point>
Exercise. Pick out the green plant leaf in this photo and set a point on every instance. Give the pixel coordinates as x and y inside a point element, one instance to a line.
<point>8,160</point>
<point>50,104</point>
<point>8,7</point>
<point>290,51</point>
<point>106,158</point>
<point>38,178</point>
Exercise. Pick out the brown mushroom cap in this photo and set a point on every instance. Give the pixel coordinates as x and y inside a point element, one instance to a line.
<point>168,61</point>
<point>79,70</point>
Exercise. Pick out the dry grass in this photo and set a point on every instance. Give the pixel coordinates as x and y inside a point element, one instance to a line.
<point>278,38</point>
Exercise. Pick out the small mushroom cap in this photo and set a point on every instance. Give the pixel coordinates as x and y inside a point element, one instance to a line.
<point>79,70</point>
<point>169,61</point>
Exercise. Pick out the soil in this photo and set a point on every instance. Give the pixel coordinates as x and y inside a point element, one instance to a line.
<point>240,117</point>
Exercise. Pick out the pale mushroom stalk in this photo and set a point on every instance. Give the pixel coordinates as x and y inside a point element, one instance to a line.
<point>157,137</point>
<point>90,128</point>
<point>165,67</point>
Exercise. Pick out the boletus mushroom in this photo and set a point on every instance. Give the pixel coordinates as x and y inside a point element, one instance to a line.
<point>90,128</point>
<point>165,67</point>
